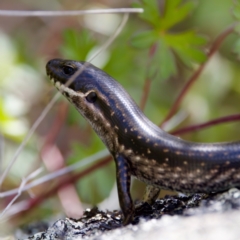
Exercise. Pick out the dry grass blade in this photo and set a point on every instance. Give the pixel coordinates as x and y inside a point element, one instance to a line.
<point>15,13</point>
<point>80,164</point>
<point>19,192</point>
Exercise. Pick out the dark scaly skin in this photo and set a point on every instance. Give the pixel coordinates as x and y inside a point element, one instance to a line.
<point>139,147</point>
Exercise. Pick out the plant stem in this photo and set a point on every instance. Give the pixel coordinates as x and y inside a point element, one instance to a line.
<point>148,79</point>
<point>66,181</point>
<point>231,118</point>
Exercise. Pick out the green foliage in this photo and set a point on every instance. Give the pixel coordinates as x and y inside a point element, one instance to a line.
<point>175,12</point>
<point>96,186</point>
<point>186,45</point>
<point>236,9</point>
<point>6,121</point>
<point>84,150</point>
<point>151,13</point>
<point>76,45</point>
<point>73,117</point>
<point>163,62</point>
<point>236,48</point>
<point>236,15</point>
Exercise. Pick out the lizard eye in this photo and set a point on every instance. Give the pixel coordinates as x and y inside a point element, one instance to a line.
<point>91,97</point>
<point>68,70</point>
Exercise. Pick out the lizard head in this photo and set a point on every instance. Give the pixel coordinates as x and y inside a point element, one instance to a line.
<point>93,93</point>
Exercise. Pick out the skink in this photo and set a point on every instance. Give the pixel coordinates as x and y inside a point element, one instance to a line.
<point>139,147</point>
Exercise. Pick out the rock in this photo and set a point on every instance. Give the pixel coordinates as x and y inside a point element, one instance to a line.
<point>197,216</point>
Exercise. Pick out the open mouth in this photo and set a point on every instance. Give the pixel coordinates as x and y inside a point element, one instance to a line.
<point>58,81</point>
<point>61,87</point>
<point>52,78</point>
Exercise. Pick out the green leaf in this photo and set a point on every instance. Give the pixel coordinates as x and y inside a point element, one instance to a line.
<point>151,13</point>
<point>80,151</point>
<point>144,39</point>
<point>184,58</point>
<point>96,186</point>
<point>188,46</point>
<point>236,48</point>
<point>163,64</point>
<point>173,13</point>
<point>191,55</point>
<point>237,28</point>
<point>236,9</point>
<point>185,39</point>
<point>76,45</point>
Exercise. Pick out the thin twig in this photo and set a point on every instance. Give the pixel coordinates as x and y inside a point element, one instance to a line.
<point>71,179</point>
<point>16,13</point>
<point>79,164</point>
<point>16,209</point>
<point>145,94</point>
<point>23,183</point>
<point>215,46</point>
<point>57,125</point>
<point>148,79</point>
<point>231,118</point>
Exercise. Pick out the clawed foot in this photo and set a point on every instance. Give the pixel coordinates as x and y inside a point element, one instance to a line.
<point>141,210</point>
<point>128,219</point>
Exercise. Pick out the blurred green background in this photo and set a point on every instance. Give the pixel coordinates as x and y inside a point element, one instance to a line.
<point>181,32</point>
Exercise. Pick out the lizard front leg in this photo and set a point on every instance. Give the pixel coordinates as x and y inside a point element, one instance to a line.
<point>123,184</point>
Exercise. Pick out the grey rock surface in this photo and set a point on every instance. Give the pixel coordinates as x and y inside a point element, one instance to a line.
<point>216,216</point>
<point>220,226</point>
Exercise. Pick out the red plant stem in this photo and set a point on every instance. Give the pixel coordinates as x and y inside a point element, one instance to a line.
<point>215,46</point>
<point>57,124</point>
<point>148,81</point>
<point>146,90</point>
<point>69,180</point>
<point>197,127</point>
